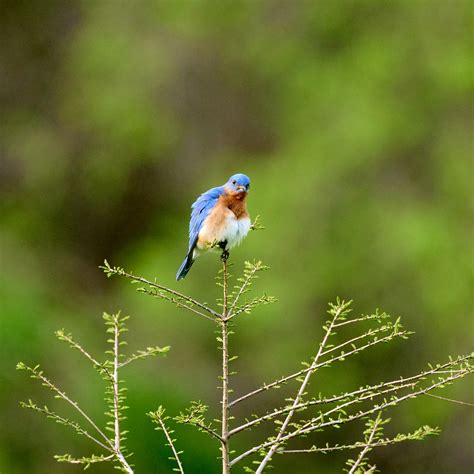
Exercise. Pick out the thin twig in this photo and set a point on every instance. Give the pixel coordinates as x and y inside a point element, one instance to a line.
<point>225,374</point>
<point>153,292</point>
<point>362,318</point>
<point>171,444</point>
<point>251,304</point>
<point>283,380</point>
<point>450,400</point>
<point>64,421</point>
<point>242,289</point>
<point>62,336</point>
<point>369,333</point>
<point>208,430</point>
<point>299,395</point>
<point>150,351</point>
<point>63,395</point>
<point>115,388</point>
<point>84,460</point>
<point>367,447</point>
<point>305,405</point>
<point>373,390</point>
<point>343,447</point>
<point>164,288</point>
<point>310,426</point>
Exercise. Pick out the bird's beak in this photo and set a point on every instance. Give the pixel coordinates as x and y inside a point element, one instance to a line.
<point>241,188</point>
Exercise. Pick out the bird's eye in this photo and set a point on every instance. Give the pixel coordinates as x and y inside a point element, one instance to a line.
<point>234,182</point>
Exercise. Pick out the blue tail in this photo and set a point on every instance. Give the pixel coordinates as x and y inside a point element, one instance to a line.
<point>185,266</point>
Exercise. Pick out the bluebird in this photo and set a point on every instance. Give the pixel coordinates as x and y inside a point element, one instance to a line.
<point>219,218</point>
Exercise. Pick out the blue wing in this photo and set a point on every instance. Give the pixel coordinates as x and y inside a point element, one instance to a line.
<point>200,210</point>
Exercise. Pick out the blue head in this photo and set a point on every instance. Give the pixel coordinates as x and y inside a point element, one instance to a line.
<point>238,183</point>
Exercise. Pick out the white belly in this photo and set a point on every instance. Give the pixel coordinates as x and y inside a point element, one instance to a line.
<point>232,230</point>
<point>235,230</point>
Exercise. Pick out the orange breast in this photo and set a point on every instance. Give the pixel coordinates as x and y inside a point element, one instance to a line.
<point>217,220</point>
<point>236,202</point>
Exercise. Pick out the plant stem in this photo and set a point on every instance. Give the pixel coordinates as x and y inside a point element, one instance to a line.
<point>312,368</point>
<point>313,424</point>
<point>225,374</point>
<point>367,447</point>
<point>171,445</point>
<point>298,397</point>
<point>62,395</point>
<point>166,290</point>
<point>115,386</point>
<point>115,383</point>
<point>124,463</point>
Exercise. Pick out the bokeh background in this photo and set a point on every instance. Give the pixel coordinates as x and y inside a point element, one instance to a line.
<point>353,120</point>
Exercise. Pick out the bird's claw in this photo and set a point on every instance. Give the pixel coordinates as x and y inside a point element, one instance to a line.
<point>225,255</point>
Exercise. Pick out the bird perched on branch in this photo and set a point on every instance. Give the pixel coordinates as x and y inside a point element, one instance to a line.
<point>219,219</point>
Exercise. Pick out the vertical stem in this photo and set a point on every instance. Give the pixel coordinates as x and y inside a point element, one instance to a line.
<point>115,385</point>
<point>368,441</point>
<point>171,445</point>
<point>225,376</point>
<point>298,397</point>
<point>115,382</point>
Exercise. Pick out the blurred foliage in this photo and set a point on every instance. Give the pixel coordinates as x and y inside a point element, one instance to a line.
<point>353,120</point>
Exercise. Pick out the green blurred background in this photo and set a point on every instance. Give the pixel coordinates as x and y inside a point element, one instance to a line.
<point>353,120</point>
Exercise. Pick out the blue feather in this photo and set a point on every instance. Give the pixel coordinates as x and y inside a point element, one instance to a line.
<point>200,210</point>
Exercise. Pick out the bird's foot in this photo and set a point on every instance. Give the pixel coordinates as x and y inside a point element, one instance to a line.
<point>225,255</point>
<point>225,252</point>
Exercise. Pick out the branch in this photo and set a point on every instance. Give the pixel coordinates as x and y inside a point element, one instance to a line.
<point>117,397</point>
<point>175,300</point>
<point>64,421</point>
<point>418,435</point>
<point>245,285</point>
<point>256,224</point>
<point>115,387</point>
<point>367,317</point>
<point>206,429</point>
<point>257,301</point>
<point>86,460</point>
<point>194,416</point>
<point>148,352</point>
<point>450,400</point>
<point>301,390</point>
<point>369,333</point>
<point>303,406</point>
<point>37,374</point>
<point>367,447</point>
<point>159,419</point>
<point>374,390</point>
<point>115,326</point>
<point>225,372</point>
<point>311,426</point>
<point>277,383</point>
<point>101,367</point>
<point>250,273</point>
<point>120,271</point>
<point>62,336</point>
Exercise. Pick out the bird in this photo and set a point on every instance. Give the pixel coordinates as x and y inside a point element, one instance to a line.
<point>219,219</point>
